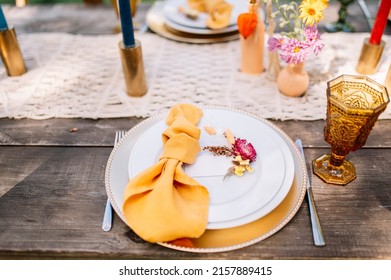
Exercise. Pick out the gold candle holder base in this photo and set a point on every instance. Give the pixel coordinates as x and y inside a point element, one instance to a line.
<point>11,54</point>
<point>133,67</point>
<point>369,60</point>
<point>387,81</point>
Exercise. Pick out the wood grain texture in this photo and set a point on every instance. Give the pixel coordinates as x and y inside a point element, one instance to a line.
<point>57,132</point>
<point>63,132</point>
<point>52,210</point>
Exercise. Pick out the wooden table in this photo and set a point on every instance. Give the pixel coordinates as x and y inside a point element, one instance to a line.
<point>52,193</point>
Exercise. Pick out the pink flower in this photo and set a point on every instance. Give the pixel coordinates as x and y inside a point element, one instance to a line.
<point>244,149</point>
<point>274,43</point>
<point>313,39</point>
<point>294,51</point>
<point>311,33</point>
<point>318,47</point>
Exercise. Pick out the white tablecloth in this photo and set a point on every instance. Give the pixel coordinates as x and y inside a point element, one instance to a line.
<point>72,76</point>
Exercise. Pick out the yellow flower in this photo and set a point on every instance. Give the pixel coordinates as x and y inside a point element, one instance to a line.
<point>325,3</point>
<point>239,170</point>
<point>249,168</point>
<point>311,11</point>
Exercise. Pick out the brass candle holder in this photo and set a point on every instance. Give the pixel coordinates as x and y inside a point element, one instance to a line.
<point>387,81</point>
<point>10,53</point>
<point>133,67</point>
<point>370,57</point>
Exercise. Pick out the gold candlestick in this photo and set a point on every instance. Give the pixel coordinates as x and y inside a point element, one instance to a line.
<point>370,57</point>
<point>10,53</point>
<point>387,81</point>
<point>133,67</point>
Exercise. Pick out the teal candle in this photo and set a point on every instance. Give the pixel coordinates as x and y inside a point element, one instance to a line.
<point>125,13</point>
<point>3,22</point>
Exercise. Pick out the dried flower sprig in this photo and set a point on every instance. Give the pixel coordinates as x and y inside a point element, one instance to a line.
<point>219,150</point>
<point>241,150</point>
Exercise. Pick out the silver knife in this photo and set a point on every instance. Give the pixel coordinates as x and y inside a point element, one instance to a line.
<point>317,231</point>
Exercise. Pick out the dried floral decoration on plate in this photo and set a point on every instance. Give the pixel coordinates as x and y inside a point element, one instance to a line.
<point>242,152</point>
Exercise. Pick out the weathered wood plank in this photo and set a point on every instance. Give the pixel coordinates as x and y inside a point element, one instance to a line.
<point>55,198</point>
<point>57,132</point>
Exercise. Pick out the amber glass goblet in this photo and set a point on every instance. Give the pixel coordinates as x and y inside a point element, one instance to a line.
<point>354,104</point>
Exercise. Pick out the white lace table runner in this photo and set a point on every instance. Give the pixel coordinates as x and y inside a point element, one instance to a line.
<point>72,76</point>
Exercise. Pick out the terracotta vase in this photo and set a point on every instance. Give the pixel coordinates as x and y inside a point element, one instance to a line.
<point>252,48</point>
<point>293,80</point>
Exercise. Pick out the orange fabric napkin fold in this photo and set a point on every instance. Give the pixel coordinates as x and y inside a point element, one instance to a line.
<point>163,203</point>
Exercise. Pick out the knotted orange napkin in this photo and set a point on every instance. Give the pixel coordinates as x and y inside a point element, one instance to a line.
<point>163,203</point>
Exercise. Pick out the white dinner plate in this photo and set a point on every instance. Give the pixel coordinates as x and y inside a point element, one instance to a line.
<point>234,201</point>
<point>180,20</point>
<point>217,240</point>
<point>157,23</point>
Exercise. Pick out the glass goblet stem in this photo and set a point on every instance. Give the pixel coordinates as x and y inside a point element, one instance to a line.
<point>336,159</point>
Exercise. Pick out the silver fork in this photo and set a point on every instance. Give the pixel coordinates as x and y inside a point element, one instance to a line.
<point>317,231</point>
<point>108,216</point>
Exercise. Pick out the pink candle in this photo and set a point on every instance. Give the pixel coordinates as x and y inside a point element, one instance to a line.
<point>380,22</point>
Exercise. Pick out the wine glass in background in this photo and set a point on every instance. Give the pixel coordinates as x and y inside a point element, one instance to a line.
<point>341,24</point>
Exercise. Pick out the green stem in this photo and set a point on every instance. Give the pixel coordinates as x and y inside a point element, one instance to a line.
<point>297,24</point>
<point>283,14</point>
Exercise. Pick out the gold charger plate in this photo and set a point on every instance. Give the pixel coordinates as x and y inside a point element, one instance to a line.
<point>156,22</point>
<point>219,240</point>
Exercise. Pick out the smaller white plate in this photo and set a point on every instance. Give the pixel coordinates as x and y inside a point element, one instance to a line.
<point>235,200</point>
<point>180,20</point>
<point>157,23</point>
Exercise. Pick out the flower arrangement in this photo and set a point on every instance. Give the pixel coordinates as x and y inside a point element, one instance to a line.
<point>241,150</point>
<point>302,37</point>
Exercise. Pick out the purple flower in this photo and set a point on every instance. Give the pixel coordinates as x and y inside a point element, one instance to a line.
<point>244,149</point>
<point>313,39</point>
<point>311,33</point>
<point>318,47</point>
<point>294,51</point>
<point>274,43</point>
